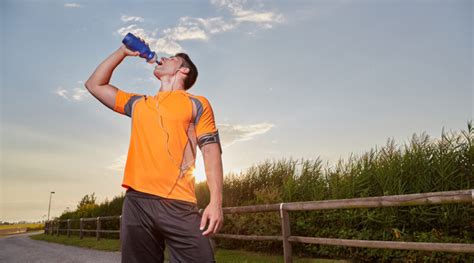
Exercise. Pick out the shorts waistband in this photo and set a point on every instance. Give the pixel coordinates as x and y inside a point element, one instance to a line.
<point>132,192</point>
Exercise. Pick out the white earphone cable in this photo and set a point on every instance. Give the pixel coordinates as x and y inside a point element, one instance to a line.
<point>186,166</point>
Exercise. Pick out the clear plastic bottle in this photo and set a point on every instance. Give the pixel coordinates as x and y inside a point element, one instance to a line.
<point>135,44</point>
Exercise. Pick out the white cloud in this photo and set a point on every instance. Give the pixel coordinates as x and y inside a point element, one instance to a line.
<point>118,164</point>
<point>166,44</point>
<point>72,5</point>
<point>79,94</point>
<point>60,91</point>
<point>240,14</point>
<point>181,33</point>
<point>139,32</point>
<point>195,28</point>
<point>255,17</point>
<point>232,133</point>
<point>229,4</point>
<point>126,18</point>
<point>212,25</point>
<point>76,94</point>
<point>258,17</point>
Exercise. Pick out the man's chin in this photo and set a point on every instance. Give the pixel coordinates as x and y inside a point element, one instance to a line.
<point>157,76</point>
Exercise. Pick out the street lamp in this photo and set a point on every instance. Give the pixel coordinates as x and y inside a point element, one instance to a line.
<point>49,208</point>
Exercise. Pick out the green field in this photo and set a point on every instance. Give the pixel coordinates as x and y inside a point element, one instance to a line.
<point>13,229</point>
<point>30,226</point>
<point>222,255</point>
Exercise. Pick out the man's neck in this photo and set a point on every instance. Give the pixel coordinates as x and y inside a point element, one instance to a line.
<point>167,85</point>
<point>169,89</point>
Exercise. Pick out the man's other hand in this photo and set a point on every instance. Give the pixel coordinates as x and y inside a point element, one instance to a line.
<point>214,213</point>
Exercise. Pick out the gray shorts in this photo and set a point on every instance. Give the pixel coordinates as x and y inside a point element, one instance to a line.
<point>149,221</point>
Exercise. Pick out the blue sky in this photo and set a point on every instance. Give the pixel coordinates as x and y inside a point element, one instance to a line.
<point>285,79</point>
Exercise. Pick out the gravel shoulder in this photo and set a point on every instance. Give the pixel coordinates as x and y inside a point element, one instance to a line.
<point>21,248</point>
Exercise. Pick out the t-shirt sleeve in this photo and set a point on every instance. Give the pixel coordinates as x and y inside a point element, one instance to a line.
<point>124,101</point>
<point>206,130</point>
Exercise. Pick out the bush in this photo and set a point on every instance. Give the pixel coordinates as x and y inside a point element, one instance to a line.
<point>424,165</point>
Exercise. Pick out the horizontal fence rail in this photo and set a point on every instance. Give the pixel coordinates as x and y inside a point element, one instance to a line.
<point>53,227</point>
<point>448,197</point>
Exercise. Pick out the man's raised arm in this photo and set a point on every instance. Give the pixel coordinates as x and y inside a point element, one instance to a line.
<point>98,83</point>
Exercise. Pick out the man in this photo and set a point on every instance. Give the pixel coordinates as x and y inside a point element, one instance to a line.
<point>160,203</point>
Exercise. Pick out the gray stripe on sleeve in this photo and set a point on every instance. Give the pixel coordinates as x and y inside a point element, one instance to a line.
<point>199,110</point>
<point>128,106</point>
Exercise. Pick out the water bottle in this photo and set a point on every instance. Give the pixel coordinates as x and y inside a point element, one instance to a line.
<point>135,44</point>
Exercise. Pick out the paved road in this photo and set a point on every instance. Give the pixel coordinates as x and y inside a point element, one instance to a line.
<point>21,248</point>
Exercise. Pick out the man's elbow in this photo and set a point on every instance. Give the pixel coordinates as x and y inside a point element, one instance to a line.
<point>89,85</point>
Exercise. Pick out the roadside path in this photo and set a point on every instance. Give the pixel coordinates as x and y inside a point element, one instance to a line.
<point>21,248</point>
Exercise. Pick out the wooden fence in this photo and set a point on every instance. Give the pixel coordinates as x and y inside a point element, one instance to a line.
<point>54,226</point>
<point>448,197</point>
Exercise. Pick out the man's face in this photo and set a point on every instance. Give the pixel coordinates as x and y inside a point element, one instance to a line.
<point>167,66</point>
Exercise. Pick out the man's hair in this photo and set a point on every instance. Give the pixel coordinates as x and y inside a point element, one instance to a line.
<point>193,72</point>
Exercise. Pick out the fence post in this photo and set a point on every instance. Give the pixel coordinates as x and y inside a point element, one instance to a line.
<point>68,227</point>
<point>98,228</point>
<point>120,226</point>
<point>286,232</point>
<point>57,229</point>
<point>81,234</point>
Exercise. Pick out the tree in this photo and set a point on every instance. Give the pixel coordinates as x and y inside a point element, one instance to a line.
<point>87,201</point>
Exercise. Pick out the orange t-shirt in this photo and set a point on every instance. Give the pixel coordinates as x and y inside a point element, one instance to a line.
<point>162,152</point>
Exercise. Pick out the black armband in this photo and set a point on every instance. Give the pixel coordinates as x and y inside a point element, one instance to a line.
<point>210,138</point>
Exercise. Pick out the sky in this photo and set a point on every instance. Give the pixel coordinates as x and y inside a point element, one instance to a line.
<point>286,79</point>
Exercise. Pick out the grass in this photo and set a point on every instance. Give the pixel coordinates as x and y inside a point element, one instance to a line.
<point>222,255</point>
<point>30,226</point>
<point>6,230</point>
<point>86,242</point>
